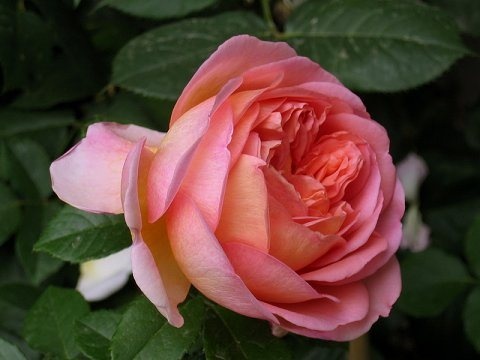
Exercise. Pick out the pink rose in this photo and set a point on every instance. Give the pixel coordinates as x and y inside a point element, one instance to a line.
<point>273,193</point>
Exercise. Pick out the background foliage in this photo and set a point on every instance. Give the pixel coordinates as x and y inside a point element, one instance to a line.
<point>67,63</point>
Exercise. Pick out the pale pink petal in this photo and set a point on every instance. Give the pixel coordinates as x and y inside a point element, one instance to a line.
<point>154,268</point>
<point>266,277</point>
<point>204,262</point>
<point>173,158</point>
<point>228,62</point>
<point>206,177</point>
<point>345,304</point>
<point>88,176</point>
<point>245,208</point>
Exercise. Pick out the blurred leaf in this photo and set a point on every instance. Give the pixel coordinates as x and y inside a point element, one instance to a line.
<point>37,266</point>
<point>29,168</point>
<point>159,9</point>
<point>7,33</point>
<point>9,213</point>
<point>465,12</point>
<point>77,236</point>
<point>431,280</point>
<point>160,62</point>
<point>472,246</point>
<point>471,317</point>
<point>233,336</point>
<point>93,333</point>
<point>144,334</point>
<point>49,326</point>
<point>15,300</point>
<point>472,131</point>
<point>9,351</point>
<point>314,349</point>
<point>371,44</point>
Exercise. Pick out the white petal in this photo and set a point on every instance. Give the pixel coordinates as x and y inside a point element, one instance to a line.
<point>416,235</point>
<point>102,277</point>
<point>412,171</point>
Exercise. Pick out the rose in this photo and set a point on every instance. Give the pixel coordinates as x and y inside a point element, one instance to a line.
<point>273,193</point>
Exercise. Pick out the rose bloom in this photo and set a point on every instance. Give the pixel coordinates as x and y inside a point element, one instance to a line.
<point>273,193</point>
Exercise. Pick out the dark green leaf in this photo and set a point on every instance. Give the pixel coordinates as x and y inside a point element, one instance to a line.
<point>431,280</point>
<point>37,266</point>
<point>9,213</point>
<point>50,322</point>
<point>9,351</point>
<point>77,236</point>
<point>232,336</point>
<point>160,62</point>
<point>472,246</point>
<point>465,12</point>
<point>472,317</point>
<point>159,9</point>
<point>314,349</point>
<point>15,300</point>
<point>144,334</point>
<point>29,168</point>
<point>93,333</point>
<point>376,45</point>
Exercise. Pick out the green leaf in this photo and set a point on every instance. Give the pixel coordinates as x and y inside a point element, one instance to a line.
<point>314,349</point>
<point>160,62</point>
<point>465,12</point>
<point>94,332</point>
<point>9,213</point>
<point>15,301</point>
<point>232,336</point>
<point>159,9</point>
<point>431,280</point>
<point>9,351</point>
<point>49,326</point>
<point>376,45</point>
<point>144,334</point>
<point>78,236</point>
<point>472,246</point>
<point>29,168</point>
<point>471,316</point>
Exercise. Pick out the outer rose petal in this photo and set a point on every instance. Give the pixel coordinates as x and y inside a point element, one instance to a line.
<point>88,176</point>
<point>204,262</point>
<point>153,265</point>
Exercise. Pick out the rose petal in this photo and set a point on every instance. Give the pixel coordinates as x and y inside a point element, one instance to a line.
<point>153,265</point>
<point>345,304</point>
<point>88,176</point>
<point>245,209</point>
<point>204,262</point>
<point>266,277</point>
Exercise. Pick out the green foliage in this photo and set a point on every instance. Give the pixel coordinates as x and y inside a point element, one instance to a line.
<point>50,322</point>
<point>9,213</point>
<point>431,280</point>
<point>149,63</point>
<point>472,317</point>
<point>9,351</point>
<point>78,236</point>
<point>472,247</point>
<point>371,45</point>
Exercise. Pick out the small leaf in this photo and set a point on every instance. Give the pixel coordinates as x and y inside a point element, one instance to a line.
<point>160,62</point>
<point>9,213</point>
<point>145,334</point>
<point>472,246</point>
<point>50,322</point>
<point>159,9</point>
<point>15,301</point>
<point>232,336</point>
<point>431,280</point>
<point>93,333</point>
<point>471,317</point>
<point>78,236</point>
<point>376,45</point>
<point>9,351</point>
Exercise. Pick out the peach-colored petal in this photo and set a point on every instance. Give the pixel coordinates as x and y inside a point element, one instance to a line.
<point>228,62</point>
<point>173,158</point>
<point>88,176</point>
<point>351,265</point>
<point>266,277</point>
<point>293,243</point>
<point>345,304</point>
<point>204,262</point>
<point>245,208</point>
<point>206,177</point>
<point>153,265</point>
